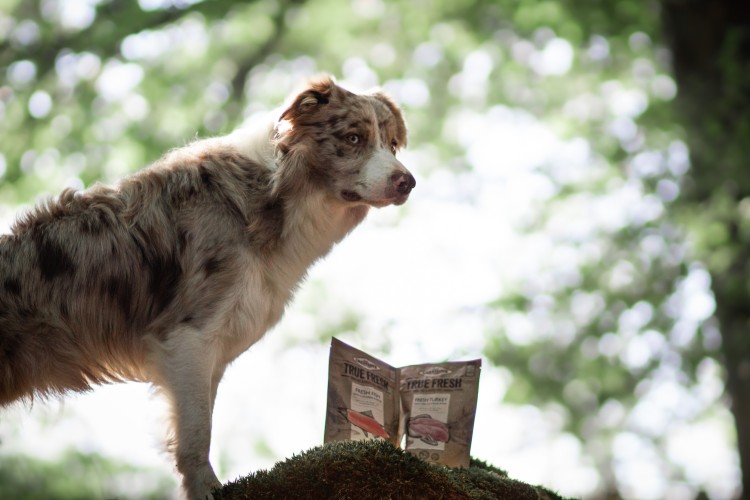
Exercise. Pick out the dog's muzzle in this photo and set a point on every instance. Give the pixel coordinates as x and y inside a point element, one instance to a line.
<point>395,191</point>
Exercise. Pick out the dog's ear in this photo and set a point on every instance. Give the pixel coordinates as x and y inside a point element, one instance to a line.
<point>397,116</point>
<point>317,94</point>
<point>295,155</point>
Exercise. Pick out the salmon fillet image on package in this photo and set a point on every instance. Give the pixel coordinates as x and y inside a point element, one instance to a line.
<point>365,421</point>
<point>427,408</point>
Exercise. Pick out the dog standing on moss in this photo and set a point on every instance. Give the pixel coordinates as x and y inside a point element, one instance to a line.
<point>171,274</point>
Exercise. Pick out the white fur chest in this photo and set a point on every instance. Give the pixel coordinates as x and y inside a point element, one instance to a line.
<point>269,281</point>
<point>254,308</point>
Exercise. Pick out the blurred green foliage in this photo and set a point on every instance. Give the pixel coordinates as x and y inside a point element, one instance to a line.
<point>78,475</point>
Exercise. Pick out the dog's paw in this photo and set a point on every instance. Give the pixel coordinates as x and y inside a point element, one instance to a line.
<point>199,486</point>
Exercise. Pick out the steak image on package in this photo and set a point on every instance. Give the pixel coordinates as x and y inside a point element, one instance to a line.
<point>438,404</point>
<point>429,408</point>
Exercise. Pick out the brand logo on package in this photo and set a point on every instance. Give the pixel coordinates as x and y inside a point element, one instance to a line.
<point>434,370</point>
<point>366,364</point>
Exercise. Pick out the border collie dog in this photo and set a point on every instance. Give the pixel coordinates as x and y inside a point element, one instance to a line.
<point>172,273</point>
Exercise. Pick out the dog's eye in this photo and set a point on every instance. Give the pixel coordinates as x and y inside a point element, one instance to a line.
<point>353,138</point>
<point>394,147</point>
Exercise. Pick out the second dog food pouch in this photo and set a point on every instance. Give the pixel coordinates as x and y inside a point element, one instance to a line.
<point>438,404</point>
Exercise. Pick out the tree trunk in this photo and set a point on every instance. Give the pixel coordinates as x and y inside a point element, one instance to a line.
<point>710,43</point>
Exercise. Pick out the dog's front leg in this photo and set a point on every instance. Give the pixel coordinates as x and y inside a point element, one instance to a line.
<point>215,379</point>
<point>185,363</point>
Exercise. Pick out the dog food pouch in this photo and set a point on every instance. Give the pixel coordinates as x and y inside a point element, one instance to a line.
<point>362,397</point>
<point>438,404</point>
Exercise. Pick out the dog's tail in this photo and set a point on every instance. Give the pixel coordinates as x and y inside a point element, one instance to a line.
<point>43,364</point>
<point>16,368</point>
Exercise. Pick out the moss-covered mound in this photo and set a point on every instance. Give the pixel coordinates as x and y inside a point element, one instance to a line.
<point>376,470</point>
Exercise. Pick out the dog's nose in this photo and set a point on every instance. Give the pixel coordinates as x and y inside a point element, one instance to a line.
<point>404,182</point>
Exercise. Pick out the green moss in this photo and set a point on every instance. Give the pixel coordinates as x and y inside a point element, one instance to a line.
<point>376,469</point>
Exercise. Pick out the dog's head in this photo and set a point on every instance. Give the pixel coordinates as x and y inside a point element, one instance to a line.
<point>344,143</point>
